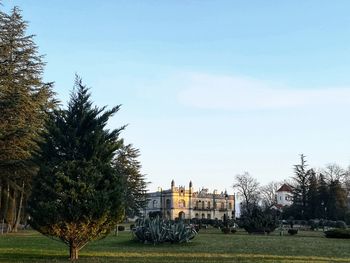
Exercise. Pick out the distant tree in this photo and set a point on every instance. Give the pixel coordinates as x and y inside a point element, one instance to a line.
<point>323,195</point>
<point>24,102</point>
<point>337,201</point>
<point>269,192</point>
<point>77,194</point>
<point>128,167</point>
<point>300,190</point>
<point>313,209</point>
<point>333,172</point>
<point>248,188</point>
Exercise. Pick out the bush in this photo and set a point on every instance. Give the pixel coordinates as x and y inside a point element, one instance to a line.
<point>132,226</point>
<point>121,228</point>
<point>233,230</point>
<point>314,224</point>
<point>226,230</point>
<point>292,231</point>
<point>340,224</point>
<point>338,233</point>
<point>259,221</point>
<point>157,230</point>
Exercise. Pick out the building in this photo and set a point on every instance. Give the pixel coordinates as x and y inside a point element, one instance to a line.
<point>284,196</point>
<point>185,203</point>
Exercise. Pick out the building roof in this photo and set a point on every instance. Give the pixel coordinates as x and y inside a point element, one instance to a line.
<point>285,188</point>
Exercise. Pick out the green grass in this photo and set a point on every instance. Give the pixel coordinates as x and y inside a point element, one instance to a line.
<point>209,246</point>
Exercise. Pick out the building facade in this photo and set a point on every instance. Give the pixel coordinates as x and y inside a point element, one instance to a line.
<point>185,203</point>
<point>284,196</point>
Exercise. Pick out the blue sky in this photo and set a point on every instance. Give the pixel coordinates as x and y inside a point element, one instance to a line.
<point>209,89</point>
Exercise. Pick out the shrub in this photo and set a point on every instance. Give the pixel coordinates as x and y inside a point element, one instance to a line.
<point>340,224</point>
<point>292,231</point>
<point>226,230</point>
<point>233,230</point>
<point>157,230</point>
<point>132,226</point>
<point>314,224</point>
<point>121,228</point>
<point>338,233</point>
<point>259,221</point>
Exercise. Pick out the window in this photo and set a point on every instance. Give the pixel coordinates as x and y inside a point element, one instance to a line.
<point>168,203</point>
<point>222,205</point>
<point>230,206</point>
<point>208,205</point>
<point>154,203</point>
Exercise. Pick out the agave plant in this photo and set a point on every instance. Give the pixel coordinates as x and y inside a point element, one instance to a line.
<point>158,231</point>
<point>180,232</point>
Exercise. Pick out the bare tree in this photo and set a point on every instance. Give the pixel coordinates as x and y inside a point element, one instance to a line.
<point>248,187</point>
<point>333,172</point>
<point>268,193</point>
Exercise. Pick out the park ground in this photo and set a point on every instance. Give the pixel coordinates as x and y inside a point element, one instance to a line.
<point>209,246</point>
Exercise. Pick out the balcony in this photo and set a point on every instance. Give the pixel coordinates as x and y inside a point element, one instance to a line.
<point>202,209</point>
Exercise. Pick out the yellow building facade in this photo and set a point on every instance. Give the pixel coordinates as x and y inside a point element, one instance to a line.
<point>185,203</point>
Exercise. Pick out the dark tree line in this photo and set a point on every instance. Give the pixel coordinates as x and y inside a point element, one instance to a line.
<point>319,194</point>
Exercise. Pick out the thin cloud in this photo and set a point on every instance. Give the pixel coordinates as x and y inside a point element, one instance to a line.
<point>240,93</point>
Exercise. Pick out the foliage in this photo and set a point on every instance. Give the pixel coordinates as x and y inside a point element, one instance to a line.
<point>259,221</point>
<point>292,231</point>
<point>340,224</point>
<point>128,167</point>
<point>121,228</point>
<point>226,230</point>
<point>338,233</point>
<point>24,102</point>
<point>76,194</point>
<point>157,230</point>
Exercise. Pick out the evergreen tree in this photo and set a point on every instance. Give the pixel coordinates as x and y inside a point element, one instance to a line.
<point>323,196</point>
<point>24,100</point>
<point>337,202</point>
<point>312,197</point>
<point>128,167</point>
<point>77,194</point>
<point>300,190</point>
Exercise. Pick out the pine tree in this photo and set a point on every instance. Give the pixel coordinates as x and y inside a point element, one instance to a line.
<point>24,100</point>
<point>77,194</point>
<point>127,165</point>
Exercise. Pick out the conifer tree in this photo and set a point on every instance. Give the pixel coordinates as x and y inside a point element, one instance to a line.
<point>312,197</point>
<point>300,190</point>
<point>24,100</point>
<point>127,165</point>
<point>77,194</point>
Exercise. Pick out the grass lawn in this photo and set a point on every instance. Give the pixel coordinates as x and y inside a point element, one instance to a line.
<point>209,246</point>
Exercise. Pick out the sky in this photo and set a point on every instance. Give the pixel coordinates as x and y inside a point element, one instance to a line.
<point>209,89</point>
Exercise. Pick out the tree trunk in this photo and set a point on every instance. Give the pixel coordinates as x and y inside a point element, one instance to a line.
<point>5,202</point>
<point>11,211</point>
<point>73,253</point>
<point>19,211</point>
